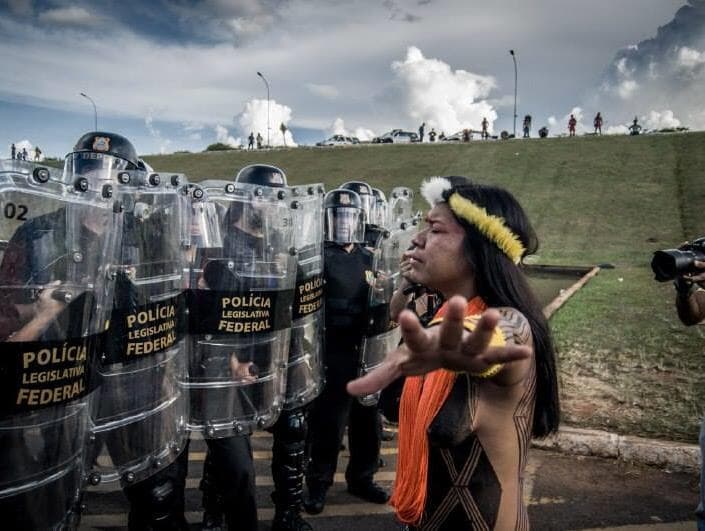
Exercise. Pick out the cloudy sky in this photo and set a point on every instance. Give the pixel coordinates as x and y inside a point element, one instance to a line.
<point>178,74</point>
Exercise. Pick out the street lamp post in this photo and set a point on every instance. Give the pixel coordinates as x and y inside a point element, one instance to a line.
<point>95,111</point>
<point>511,52</point>
<point>267,85</point>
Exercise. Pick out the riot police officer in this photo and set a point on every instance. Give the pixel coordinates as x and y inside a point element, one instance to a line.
<point>304,366</point>
<point>368,200</point>
<point>251,245</point>
<point>138,434</point>
<point>54,297</point>
<point>348,276</point>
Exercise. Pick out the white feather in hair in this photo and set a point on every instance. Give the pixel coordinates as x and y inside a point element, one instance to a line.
<point>432,189</point>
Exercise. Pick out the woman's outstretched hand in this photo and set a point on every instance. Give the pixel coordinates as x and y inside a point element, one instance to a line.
<point>447,346</point>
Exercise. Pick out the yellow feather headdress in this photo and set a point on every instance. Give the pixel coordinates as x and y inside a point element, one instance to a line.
<point>492,227</point>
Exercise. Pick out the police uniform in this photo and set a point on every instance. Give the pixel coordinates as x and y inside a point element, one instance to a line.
<point>34,256</point>
<point>348,276</point>
<point>228,482</point>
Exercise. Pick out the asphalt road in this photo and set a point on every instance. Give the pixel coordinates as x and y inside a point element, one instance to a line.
<point>562,492</point>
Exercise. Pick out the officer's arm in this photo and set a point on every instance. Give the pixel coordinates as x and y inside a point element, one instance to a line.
<point>399,300</point>
<point>47,308</point>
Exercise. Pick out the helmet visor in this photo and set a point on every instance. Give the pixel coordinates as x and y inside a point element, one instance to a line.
<point>381,213</point>
<point>344,225</point>
<point>368,205</point>
<point>93,165</point>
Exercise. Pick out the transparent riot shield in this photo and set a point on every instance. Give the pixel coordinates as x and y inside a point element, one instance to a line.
<point>305,365</point>
<point>383,335</point>
<point>57,245</point>
<point>38,172</point>
<point>140,424</point>
<point>240,311</point>
<point>401,205</point>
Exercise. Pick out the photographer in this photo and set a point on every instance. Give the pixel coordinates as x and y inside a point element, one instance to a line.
<point>690,296</point>
<point>690,304</point>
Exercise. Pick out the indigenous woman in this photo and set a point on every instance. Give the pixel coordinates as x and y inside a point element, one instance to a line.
<point>481,377</point>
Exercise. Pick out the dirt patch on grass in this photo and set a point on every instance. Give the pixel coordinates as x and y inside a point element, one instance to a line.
<point>623,392</point>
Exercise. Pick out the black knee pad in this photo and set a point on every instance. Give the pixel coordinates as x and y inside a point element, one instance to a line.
<point>292,426</point>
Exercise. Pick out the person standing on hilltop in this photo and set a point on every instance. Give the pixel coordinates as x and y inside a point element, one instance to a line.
<point>571,125</point>
<point>635,128</point>
<point>527,125</point>
<point>597,122</point>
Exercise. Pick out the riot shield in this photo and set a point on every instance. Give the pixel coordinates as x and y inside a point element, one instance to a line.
<point>383,335</point>
<point>240,301</point>
<point>140,424</point>
<point>305,365</point>
<point>38,172</point>
<point>401,205</point>
<point>58,243</point>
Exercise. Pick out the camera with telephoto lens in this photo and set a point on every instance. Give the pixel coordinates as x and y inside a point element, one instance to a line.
<point>671,263</point>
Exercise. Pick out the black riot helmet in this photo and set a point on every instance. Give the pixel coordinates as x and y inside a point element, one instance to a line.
<point>262,175</point>
<point>344,217</point>
<point>98,153</point>
<point>364,190</point>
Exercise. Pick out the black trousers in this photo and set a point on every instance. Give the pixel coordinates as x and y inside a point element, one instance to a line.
<point>230,468</point>
<point>330,413</point>
<point>288,459</point>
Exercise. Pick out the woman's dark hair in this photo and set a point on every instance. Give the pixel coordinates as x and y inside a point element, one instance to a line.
<point>500,282</point>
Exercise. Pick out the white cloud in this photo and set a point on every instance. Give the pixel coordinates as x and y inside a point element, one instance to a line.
<point>248,27</point>
<point>155,133</point>
<point>661,120</point>
<point>191,127</point>
<point>446,100</point>
<point>338,128</point>
<point>223,136</point>
<point>69,16</point>
<point>690,58</point>
<point>325,91</point>
<point>254,118</point>
<point>622,67</point>
<point>617,130</point>
<point>627,88</point>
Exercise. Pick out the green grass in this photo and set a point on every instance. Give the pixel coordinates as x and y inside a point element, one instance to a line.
<point>626,362</point>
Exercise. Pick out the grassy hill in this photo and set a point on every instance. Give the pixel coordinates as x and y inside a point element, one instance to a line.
<point>626,362</point>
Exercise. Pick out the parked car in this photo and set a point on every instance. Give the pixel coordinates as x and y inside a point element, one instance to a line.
<point>339,140</point>
<point>396,136</point>
<point>459,136</point>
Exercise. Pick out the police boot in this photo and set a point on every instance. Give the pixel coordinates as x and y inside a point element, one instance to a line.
<point>156,509</point>
<point>289,520</point>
